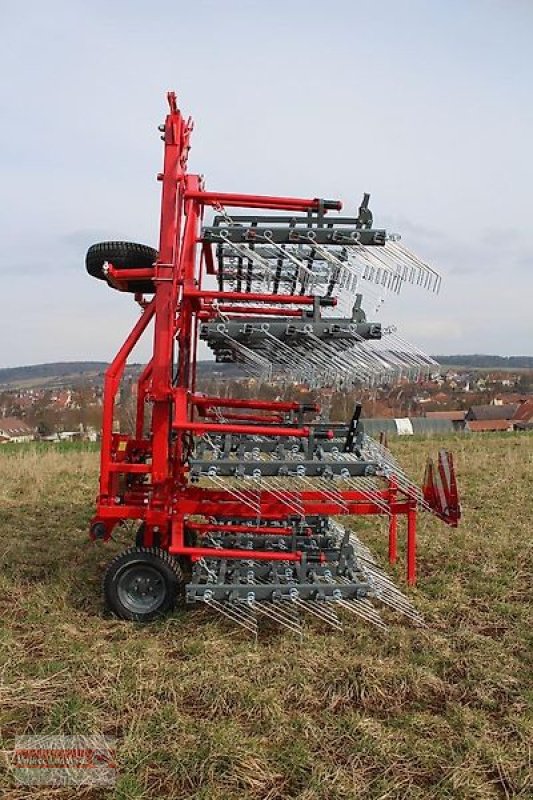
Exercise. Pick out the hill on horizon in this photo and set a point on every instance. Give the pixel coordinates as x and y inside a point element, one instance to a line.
<point>480,361</point>
<point>73,372</point>
<point>76,371</point>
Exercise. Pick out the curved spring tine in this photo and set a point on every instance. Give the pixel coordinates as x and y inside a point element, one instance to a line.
<point>246,620</point>
<point>321,611</point>
<point>273,611</point>
<point>365,610</point>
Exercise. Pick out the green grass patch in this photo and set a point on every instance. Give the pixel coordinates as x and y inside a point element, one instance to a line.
<point>200,711</point>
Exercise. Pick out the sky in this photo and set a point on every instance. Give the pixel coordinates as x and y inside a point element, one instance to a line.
<point>427,105</point>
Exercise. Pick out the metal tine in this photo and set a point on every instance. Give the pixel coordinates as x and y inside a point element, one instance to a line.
<point>378,452</point>
<point>290,499</point>
<point>353,363</point>
<point>362,484</point>
<point>377,358</point>
<point>259,371</point>
<point>382,257</point>
<point>320,351</point>
<point>415,349</point>
<point>290,610</point>
<point>402,607</point>
<point>240,496</point>
<point>334,359</point>
<point>278,353</point>
<point>371,447</point>
<point>371,262</point>
<point>425,276</point>
<point>399,603</point>
<point>354,360</point>
<point>365,610</point>
<point>332,493</point>
<point>405,254</point>
<point>407,352</point>
<point>287,253</point>
<point>290,352</point>
<point>380,578</point>
<point>383,583</point>
<point>388,594</point>
<point>251,355</point>
<point>362,607</point>
<point>382,363</point>
<point>248,621</point>
<point>248,253</point>
<point>398,261</point>
<point>334,371</point>
<point>386,258</point>
<point>319,371</point>
<point>371,496</point>
<point>368,490</point>
<point>320,610</point>
<point>413,352</point>
<point>402,356</point>
<point>286,610</point>
<point>361,550</point>
<point>401,262</point>
<point>329,494</point>
<point>272,611</point>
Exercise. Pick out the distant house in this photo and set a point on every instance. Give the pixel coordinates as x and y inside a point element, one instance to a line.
<point>511,397</point>
<point>491,412</point>
<point>457,418</point>
<point>524,412</point>
<point>523,419</point>
<point>14,430</point>
<point>488,425</point>
<point>69,436</point>
<point>454,416</point>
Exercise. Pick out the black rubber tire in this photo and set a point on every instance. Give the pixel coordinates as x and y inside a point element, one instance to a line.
<point>123,255</point>
<point>133,564</point>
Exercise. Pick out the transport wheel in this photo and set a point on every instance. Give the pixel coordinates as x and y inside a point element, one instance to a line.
<point>123,255</point>
<point>143,583</point>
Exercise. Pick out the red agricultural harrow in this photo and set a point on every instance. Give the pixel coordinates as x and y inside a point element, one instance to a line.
<point>238,501</point>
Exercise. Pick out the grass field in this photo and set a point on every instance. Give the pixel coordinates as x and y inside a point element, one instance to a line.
<point>199,711</point>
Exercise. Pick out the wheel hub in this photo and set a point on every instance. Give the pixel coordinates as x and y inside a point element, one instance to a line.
<point>141,588</point>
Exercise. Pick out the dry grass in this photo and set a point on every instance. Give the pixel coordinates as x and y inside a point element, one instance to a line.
<point>200,712</point>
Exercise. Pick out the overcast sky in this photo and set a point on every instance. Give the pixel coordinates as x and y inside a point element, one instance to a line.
<point>425,104</point>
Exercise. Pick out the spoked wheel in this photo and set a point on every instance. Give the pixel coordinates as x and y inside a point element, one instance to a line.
<point>143,583</point>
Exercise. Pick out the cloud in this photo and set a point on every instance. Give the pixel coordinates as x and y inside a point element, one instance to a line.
<point>417,106</point>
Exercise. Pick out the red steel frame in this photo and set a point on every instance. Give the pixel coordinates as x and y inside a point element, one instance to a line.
<point>167,503</point>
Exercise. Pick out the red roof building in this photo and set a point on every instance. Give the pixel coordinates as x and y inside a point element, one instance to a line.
<point>486,413</point>
<point>487,425</point>
<point>454,416</point>
<point>524,412</point>
<point>14,430</point>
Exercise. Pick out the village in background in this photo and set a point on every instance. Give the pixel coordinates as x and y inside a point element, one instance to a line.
<point>63,402</point>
